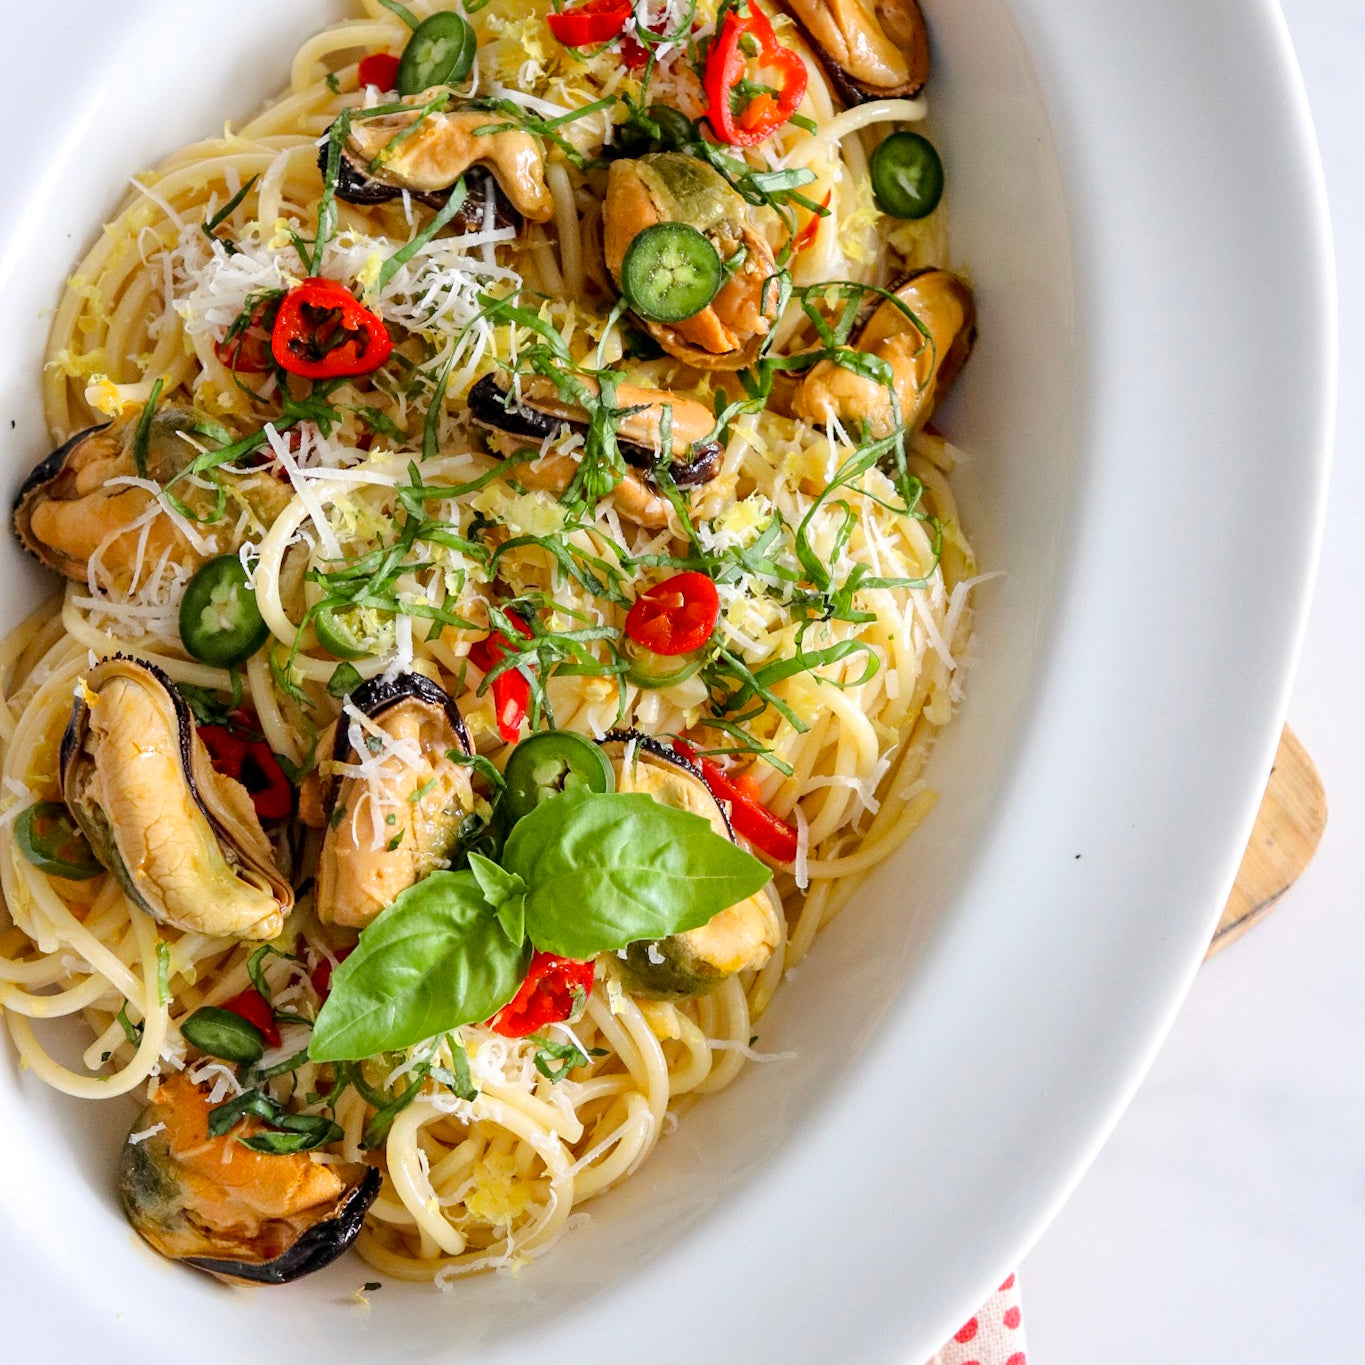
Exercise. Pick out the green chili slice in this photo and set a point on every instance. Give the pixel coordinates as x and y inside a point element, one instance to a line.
<point>551,762</point>
<point>440,52</point>
<point>341,632</point>
<point>653,671</point>
<point>907,176</point>
<point>220,622</point>
<point>50,839</point>
<point>670,272</point>
<point>221,1033</point>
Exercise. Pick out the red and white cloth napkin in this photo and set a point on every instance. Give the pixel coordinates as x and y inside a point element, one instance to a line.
<point>995,1336</point>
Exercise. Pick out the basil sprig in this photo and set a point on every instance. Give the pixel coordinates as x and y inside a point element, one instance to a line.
<point>606,870</point>
<point>438,957</point>
<point>583,873</point>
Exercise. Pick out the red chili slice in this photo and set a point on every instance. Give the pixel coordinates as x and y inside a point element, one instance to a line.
<point>321,975</point>
<point>252,1006</point>
<point>247,351</point>
<point>749,817</point>
<point>776,66</point>
<point>590,22</point>
<point>379,69</point>
<point>634,53</point>
<point>808,234</point>
<point>555,988</point>
<point>250,762</point>
<point>511,690</point>
<point>323,332</point>
<point>675,616</point>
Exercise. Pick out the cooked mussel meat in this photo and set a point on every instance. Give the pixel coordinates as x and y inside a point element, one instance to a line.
<point>221,1206</point>
<point>182,839</point>
<point>925,352</point>
<point>539,413</point>
<point>672,187</point>
<point>394,797</point>
<point>742,937</point>
<point>67,509</point>
<point>383,157</point>
<point>870,49</point>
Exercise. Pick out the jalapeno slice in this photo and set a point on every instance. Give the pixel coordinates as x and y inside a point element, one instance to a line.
<point>551,762</point>
<point>221,1033</point>
<point>220,622</point>
<point>670,272</point>
<point>650,670</point>
<point>440,52</point>
<point>343,635</point>
<point>51,840</point>
<point>907,176</point>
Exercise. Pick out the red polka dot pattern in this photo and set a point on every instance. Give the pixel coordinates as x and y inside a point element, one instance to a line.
<point>996,1333</point>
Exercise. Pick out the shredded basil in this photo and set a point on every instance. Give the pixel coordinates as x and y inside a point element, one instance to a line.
<point>163,971</point>
<point>404,254</point>
<point>568,1055</point>
<point>210,228</point>
<point>403,12</point>
<point>131,1031</point>
<point>284,1132</point>
<point>143,432</point>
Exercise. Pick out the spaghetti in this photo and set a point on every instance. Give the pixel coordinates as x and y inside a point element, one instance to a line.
<point>385,529</point>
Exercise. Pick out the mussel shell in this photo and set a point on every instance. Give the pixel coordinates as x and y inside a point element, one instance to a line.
<point>73,735</point>
<point>250,866</point>
<point>852,91</point>
<point>922,372</point>
<point>54,479</point>
<point>696,961</point>
<point>165,1201</point>
<point>616,741</point>
<point>379,695</point>
<point>316,1248</point>
<point>356,881</point>
<point>674,186</point>
<point>490,405</point>
<point>43,474</point>
<point>356,185</point>
<point>951,358</point>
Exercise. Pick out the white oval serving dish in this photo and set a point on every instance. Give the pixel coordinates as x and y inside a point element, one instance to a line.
<point>1136,194</point>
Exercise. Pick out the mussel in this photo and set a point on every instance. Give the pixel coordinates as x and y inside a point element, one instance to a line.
<point>924,358</point>
<point>66,510</point>
<point>183,840</point>
<point>381,158</point>
<point>870,49</point>
<point>540,414</point>
<point>220,1206</point>
<point>674,187</point>
<point>742,937</point>
<point>394,797</point>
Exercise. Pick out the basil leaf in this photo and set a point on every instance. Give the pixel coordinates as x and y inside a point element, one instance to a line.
<point>496,884</point>
<point>438,957</point>
<point>608,869</point>
<point>505,890</point>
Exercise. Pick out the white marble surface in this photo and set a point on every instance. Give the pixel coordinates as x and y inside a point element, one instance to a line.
<point>1225,1219</point>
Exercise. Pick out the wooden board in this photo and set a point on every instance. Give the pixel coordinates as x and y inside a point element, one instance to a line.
<point>1283,841</point>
